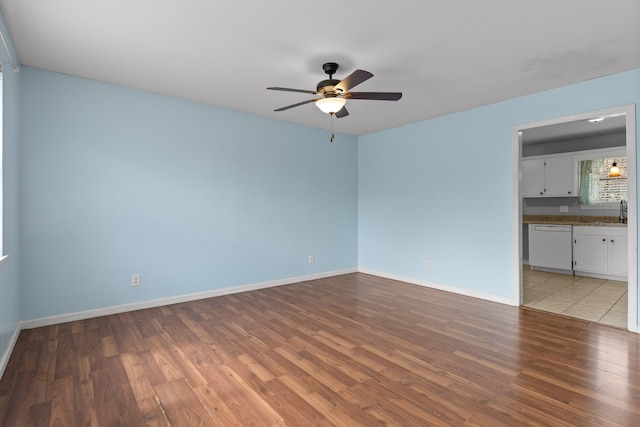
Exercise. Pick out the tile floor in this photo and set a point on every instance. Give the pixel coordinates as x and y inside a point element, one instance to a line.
<point>598,300</point>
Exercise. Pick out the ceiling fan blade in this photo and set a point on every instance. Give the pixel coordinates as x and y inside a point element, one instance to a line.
<point>353,80</point>
<point>377,96</point>
<point>296,105</point>
<point>342,112</point>
<point>286,89</point>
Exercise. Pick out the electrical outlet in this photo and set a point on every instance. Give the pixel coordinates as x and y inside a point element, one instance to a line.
<point>564,208</point>
<point>429,265</point>
<point>135,280</point>
<point>311,260</point>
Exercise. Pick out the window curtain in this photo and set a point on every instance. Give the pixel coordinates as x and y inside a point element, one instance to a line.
<point>589,181</point>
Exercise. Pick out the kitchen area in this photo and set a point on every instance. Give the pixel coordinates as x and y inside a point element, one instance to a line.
<point>574,219</point>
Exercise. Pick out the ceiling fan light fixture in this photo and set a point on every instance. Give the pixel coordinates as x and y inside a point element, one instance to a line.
<point>331,105</point>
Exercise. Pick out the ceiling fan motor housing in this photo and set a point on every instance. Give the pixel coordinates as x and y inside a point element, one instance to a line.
<point>325,87</point>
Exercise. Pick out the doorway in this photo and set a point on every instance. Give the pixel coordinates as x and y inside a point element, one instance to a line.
<point>628,112</point>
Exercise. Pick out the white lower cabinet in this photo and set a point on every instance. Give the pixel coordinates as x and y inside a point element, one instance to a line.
<point>618,256</point>
<point>600,251</point>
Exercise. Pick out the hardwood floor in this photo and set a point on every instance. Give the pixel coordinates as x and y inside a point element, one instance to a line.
<point>353,350</point>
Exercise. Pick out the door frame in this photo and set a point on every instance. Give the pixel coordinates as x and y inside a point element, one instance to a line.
<point>632,218</point>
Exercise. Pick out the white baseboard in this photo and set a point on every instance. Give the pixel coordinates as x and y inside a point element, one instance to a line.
<point>7,353</point>
<point>441,287</point>
<point>89,314</point>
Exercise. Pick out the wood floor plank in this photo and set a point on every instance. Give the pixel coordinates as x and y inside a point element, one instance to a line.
<point>181,405</point>
<point>163,359</point>
<point>255,396</point>
<point>106,406</point>
<point>41,414</point>
<point>142,389</point>
<point>63,403</point>
<point>332,409</point>
<point>20,402</point>
<point>235,396</point>
<point>44,376</point>
<point>350,350</point>
<point>389,405</point>
<point>85,413</point>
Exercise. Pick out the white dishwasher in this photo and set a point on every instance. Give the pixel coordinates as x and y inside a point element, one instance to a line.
<point>550,246</point>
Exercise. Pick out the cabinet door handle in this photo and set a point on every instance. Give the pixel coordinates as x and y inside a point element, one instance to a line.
<point>611,240</point>
<point>569,192</point>
<point>604,240</point>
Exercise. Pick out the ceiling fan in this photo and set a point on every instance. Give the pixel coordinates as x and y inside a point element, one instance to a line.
<point>333,94</point>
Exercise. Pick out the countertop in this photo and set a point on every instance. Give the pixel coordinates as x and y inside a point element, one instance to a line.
<point>594,221</point>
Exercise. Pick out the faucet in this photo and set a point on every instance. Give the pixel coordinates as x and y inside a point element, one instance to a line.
<point>623,211</point>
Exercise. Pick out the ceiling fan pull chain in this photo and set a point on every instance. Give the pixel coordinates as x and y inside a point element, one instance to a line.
<point>332,135</point>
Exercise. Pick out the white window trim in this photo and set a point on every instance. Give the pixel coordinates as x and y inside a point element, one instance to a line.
<point>3,257</point>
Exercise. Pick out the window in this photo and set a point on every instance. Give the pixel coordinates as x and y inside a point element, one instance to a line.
<point>1,186</point>
<point>597,188</point>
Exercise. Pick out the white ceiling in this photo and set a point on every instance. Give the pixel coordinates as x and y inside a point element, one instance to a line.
<point>444,55</point>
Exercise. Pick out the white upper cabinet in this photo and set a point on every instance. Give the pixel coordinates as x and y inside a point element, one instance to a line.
<point>559,177</point>
<point>552,176</point>
<point>533,178</point>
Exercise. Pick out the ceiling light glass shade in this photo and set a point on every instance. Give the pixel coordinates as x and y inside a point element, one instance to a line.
<point>331,105</point>
<point>615,170</point>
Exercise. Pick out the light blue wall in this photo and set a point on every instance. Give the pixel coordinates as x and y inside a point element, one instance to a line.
<point>194,198</point>
<point>9,272</point>
<point>116,181</point>
<point>442,189</point>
